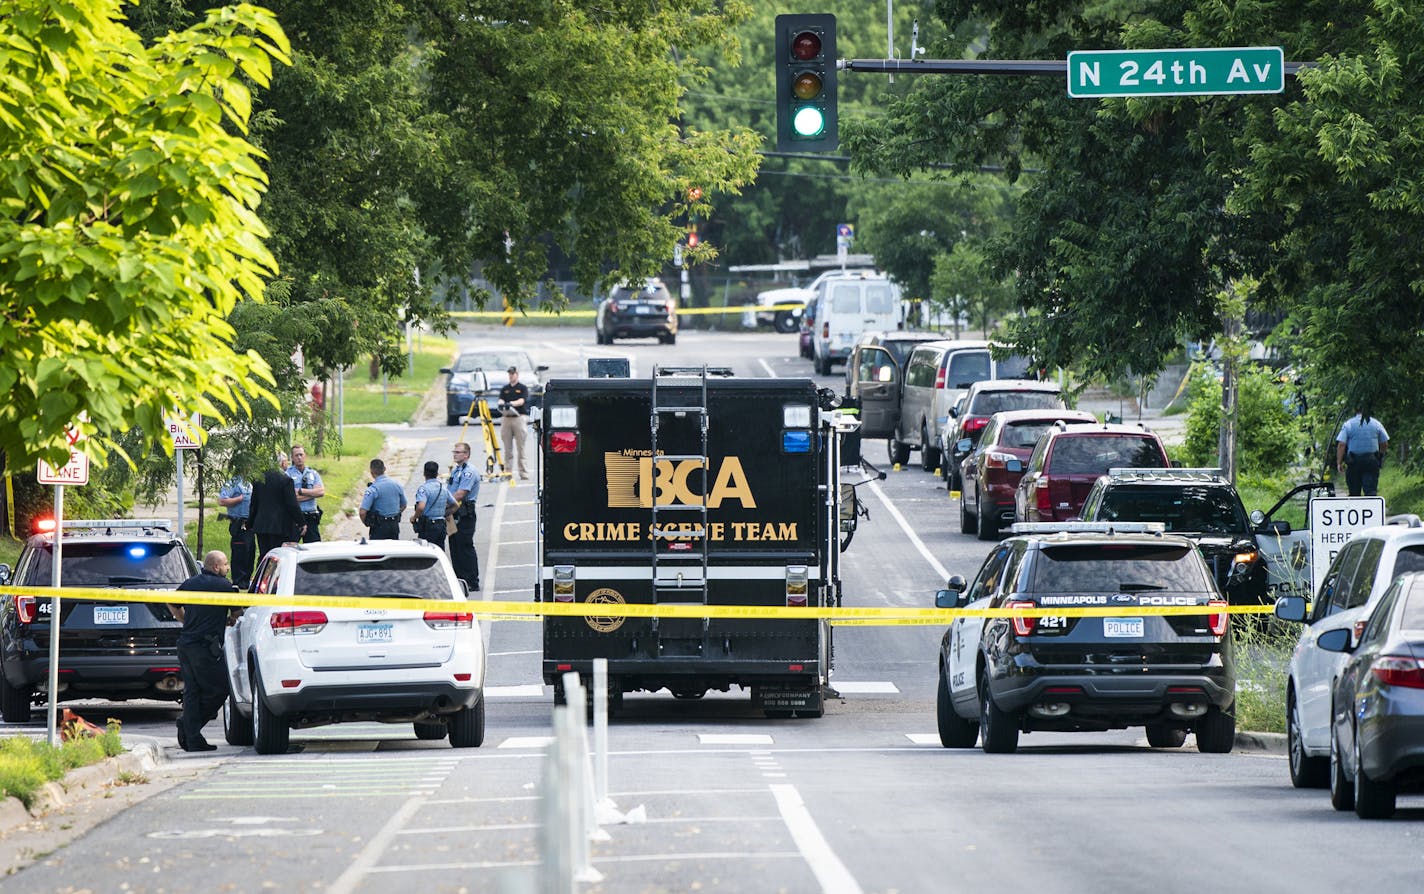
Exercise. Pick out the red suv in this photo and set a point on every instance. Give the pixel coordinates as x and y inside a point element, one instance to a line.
<point>992,471</point>
<point>1069,459</point>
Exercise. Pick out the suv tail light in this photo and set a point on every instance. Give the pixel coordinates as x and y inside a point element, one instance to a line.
<point>941,377</point>
<point>613,305</point>
<point>25,609</point>
<point>1023,626</point>
<point>449,620</point>
<point>1217,622</point>
<point>974,423</point>
<point>300,623</point>
<point>1399,670</point>
<point>1041,498</point>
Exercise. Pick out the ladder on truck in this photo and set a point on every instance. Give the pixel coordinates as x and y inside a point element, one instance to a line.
<point>679,570</point>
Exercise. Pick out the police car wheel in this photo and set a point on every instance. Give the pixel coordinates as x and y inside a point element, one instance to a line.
<point>954,731</point>
<point>998,729</point>
<point>1216,732</point>
<point>14,702</point>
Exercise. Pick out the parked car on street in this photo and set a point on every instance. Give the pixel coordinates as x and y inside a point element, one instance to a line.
<point>971,413</point>
<point>647,311</point>
<point>482,372</point>
<point>806,340</point>
<point>875,374</point>
<point>991,472</point>
<point>999,677</point>
<point>1069,459</point>
<point>848,306</point>
<point>1377,712</point>
<point>293,668</point>
<point>110,650</point>
<point>1353,585</point>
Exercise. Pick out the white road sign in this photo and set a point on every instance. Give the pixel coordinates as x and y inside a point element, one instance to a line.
<point>1333,521</point>
<point>184,431</point>
<point>74,472</point>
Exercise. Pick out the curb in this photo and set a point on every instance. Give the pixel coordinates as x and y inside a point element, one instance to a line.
<point>79,784</point>
<point>1261,743</point>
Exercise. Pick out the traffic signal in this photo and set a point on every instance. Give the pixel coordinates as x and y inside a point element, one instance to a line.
<point>806,83</point>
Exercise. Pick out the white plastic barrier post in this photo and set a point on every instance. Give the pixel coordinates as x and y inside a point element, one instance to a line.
<point>600,730</point>
<point>555,868</point>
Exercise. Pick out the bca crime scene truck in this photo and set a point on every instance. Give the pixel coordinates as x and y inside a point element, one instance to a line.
<point>692,488</point>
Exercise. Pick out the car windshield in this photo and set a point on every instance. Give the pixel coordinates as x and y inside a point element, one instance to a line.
<point>416,577</point>
<point>1205,510</point>
<point>115,564</point>
<point>1118,568</point>
<point>492,361</point>
<point>987,403</point>
<point>1095,454</point>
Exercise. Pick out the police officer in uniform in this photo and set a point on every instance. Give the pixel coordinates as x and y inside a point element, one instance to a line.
<point>309,487</point>
<point>465,487</point>
<point>382,505</point>
<point>433,504</point>
<point>200,653</point>
<point>236,498</point>
<point>1359,452</point>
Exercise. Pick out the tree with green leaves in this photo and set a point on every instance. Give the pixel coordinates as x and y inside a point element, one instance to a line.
<point>129,228</point>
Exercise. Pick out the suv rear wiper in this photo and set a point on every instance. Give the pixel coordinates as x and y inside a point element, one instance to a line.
<point>1137,588</point>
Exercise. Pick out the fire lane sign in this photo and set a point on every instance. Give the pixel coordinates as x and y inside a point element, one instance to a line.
<point>1095,74</point>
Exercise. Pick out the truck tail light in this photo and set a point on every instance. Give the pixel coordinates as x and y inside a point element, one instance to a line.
<point>449,620</point>
<point>1023,626</point>
<point>826,330</point>
<point>1399,670</point>
<point>298,623</point>
<point>1217,622</point>
<point>1041,497</point>
<point>563,583</point>
<point>563,442</point>
<point>798,587</point>
<point>25,609</point>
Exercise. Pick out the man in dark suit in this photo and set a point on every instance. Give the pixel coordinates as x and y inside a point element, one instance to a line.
<point>275,516</point>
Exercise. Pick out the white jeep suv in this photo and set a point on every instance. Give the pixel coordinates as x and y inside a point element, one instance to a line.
<point>1359,575</point>
<point>301,667</point>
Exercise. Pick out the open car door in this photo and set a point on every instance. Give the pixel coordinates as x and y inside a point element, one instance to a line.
<point>875,379</point>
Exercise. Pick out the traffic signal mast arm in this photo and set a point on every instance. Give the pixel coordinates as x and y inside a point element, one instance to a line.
<point>1055,67</point>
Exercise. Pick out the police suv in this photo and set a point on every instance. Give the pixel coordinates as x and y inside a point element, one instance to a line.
<point>1172,673</point>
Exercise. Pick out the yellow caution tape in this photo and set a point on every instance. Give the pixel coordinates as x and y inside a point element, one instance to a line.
<point>510,610</point>
<point>562,314</point>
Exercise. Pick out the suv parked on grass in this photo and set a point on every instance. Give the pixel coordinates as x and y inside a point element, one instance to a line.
<point>1359,575</point>
<point>1173,674</point>
<point>1200,504</point>
<point>1068,461</point>
<point>968,417</point>
<point>111,650</point>
<point>301,667</point>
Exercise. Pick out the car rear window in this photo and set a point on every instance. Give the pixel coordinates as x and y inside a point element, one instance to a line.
<point>845,298</point>
<point>1413,617</point>
<point>1024,434</point>
<point>114,565</point>
<point>1119,568</point>
<point>415,577</point>
<point>1095,454</point>
<point>1014,366</point>
<point>493,362</point>
<point>967,367</point>
<point>1204,510</point>
<point>1409,558</point>
<point>987,403</point>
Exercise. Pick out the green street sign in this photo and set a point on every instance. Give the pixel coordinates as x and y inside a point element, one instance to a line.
<point>1093,74</point>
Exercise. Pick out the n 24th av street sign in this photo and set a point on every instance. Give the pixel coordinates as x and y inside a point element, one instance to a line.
<point>1184,72</point>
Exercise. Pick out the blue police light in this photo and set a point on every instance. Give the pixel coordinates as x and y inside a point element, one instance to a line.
<point>138,552</point>
<point>795,442</point>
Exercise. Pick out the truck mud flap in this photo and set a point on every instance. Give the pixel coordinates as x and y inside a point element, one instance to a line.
<point>806,700</point>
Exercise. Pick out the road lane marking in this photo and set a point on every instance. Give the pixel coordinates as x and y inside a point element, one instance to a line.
<point>527,690</point>
<point>868,688</point>
<point>923,738</point>
<point>520,652</point>
<point>833,875</point>
<point>630,858</point>
<point>527,742</point>
<point>767,366</point>
<point>909,532</point>
<point>734,739</point>
<point>366,860</point>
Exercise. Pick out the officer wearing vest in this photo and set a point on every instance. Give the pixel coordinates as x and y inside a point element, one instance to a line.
<point>382,505</point>
<point>1359,452</point>
<point>433,504</point>
<point>309,488</point>
<point>236,498</point>
<point>465,487</point>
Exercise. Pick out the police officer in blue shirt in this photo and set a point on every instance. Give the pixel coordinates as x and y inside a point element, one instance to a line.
<point>309,488</point>
<point>236,498</point>
<point>1359,452</point>
<point>382,505</point>
<point>465,487</point>
<point>433,504</point>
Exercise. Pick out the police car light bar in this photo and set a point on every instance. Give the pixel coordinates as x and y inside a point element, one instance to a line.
<point>1173,474</point>
<point>1088,528</point>
<point>163,523</point>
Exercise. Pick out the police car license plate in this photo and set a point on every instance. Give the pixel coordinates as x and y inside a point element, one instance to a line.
<point>374,633</point>
<point>111,614</point>
<point>1122,627</point>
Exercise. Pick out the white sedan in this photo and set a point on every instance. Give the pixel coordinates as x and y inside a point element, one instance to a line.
<point>298,667</point>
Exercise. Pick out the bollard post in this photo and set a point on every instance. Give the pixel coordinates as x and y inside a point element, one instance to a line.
<point>600,730</point>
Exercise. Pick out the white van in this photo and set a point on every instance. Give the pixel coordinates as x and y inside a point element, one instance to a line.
<point>847,307</point>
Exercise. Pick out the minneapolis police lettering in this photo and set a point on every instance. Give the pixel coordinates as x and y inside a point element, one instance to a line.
<point>639,481</point>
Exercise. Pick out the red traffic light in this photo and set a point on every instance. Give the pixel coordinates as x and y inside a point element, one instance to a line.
<point>694,193</point>
<point>692,239</point>
<point>806,45</point>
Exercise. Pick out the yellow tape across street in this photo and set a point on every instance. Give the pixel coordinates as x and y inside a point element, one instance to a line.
<point>512,315</point>
<point>863,616</point>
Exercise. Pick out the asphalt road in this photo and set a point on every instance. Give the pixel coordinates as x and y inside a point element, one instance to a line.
<point>861,800</point>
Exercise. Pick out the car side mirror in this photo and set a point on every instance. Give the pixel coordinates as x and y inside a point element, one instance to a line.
<point>1337,640</point>
<point>954,411</point>
<point>946,599</point>
<point>541,368</point>
<point>1292,608</point>
<point>963,445</point>
<point>1013,465</point>
<point>447,370</point>
<point>1257,517</point>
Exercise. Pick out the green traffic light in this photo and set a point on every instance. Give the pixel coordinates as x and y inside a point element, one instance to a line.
<point>808,121</point>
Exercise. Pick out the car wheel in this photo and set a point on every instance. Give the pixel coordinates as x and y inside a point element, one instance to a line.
<point>1305,771</point>
<point>467,726</point>
<point>270,733</point>
<point>954,731</point>
<point>967,522</point>
<point>452,419</point>
<point>237,729</point>
<point>899,452</point>
<point>430,732</point>
<point>671,339</point>
<point>1216,731</point>
<point>786,323</point>
<point>988,527</point>
<point>929,456</point>
<point>14,702</point>
<point>1160,735</point>
<point>1373,800</point>
<point>1342,787</point>
<point>998,729</point>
